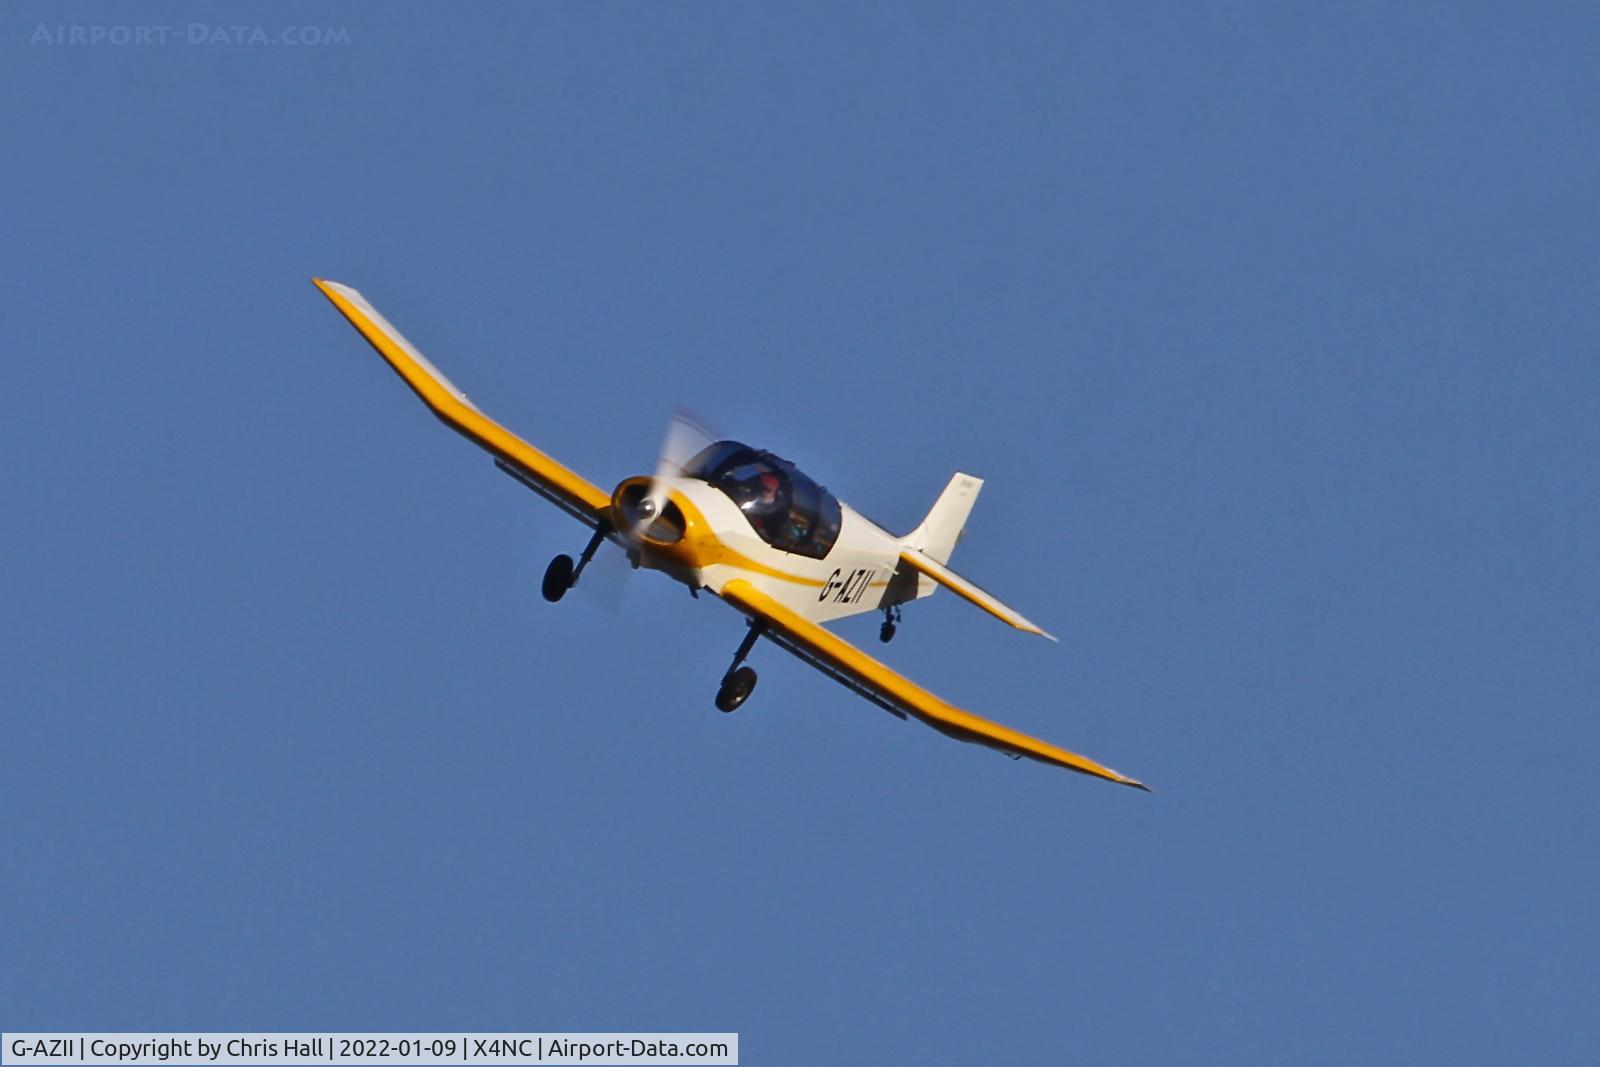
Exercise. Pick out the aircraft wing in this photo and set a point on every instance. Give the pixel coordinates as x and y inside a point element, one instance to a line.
<point>954,582</point>
<point>566,489</point>
<point>844,662</point>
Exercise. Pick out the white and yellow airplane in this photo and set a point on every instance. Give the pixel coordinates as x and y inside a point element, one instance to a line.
<point>755,531</point>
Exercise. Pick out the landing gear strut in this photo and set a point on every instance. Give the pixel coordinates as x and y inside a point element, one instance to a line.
<point>562,574</point>
<point>891,618</point>
<point>739,682</point>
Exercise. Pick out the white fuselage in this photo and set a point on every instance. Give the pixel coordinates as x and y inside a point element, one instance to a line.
<point>857,575</point>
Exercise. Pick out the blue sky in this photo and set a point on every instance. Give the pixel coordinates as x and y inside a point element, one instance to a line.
<point>1275,331</point>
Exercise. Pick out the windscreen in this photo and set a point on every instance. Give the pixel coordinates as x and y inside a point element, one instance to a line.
<point>786,509</point>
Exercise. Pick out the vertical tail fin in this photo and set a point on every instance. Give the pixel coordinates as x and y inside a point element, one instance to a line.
<point>937,536</point>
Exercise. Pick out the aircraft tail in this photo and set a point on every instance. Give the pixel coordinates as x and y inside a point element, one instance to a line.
<point>925,551</point>
<point>936,537</point>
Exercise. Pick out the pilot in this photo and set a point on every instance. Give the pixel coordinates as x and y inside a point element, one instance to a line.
<point>769,492</point>
<point>763,506</point>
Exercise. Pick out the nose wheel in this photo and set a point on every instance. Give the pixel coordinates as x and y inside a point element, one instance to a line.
<point>739,682</point>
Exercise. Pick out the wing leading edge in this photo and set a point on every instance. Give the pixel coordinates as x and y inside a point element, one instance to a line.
<point>566,489</point>
<point>891,690</point>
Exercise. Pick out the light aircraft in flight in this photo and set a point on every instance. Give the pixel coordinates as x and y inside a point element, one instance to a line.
<point>754,530</point>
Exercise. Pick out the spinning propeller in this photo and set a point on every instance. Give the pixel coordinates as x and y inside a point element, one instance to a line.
<point>641,511</point>
<point>686,435</point>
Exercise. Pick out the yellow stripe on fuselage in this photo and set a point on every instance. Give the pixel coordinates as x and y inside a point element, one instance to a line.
<point>702,546</point>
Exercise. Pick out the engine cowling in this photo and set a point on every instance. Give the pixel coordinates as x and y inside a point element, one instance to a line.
<point>634,514</point>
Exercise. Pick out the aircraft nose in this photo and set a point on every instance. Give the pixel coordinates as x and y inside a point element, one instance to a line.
<point>637,514</point>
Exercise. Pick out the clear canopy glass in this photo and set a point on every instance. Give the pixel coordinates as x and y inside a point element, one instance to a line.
<point>786,509</point>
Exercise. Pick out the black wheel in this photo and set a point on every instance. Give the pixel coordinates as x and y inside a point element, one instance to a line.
<point>886,632</point>
<point>736,689</point>
<point>557,578</point>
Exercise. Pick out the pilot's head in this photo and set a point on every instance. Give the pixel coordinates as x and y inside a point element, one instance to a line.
<point>769,487</point>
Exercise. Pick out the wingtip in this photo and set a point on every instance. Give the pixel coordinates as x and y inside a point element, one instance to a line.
<point>1033,628</point>
<point>1137,785</point>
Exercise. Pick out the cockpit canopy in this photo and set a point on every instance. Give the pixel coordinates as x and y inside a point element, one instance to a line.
<point>788,510</point>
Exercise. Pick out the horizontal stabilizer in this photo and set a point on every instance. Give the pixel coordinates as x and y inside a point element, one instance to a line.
<point>948,578</point>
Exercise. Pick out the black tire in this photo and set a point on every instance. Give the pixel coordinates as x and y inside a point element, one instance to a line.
<point>886,632</point>
<point>736,689</point>
<point>557,578</point>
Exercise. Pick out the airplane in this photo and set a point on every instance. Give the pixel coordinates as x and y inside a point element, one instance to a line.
<point>752,529</point>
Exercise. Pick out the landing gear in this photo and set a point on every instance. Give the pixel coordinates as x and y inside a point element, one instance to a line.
<point>736,689</point>
<point>563,574</point>
<point>891,618</point>
<point>557,578</point>
<point>739,682</point>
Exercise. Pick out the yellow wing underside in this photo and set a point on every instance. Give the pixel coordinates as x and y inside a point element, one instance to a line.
<point>824,648</point>
<point>568,489</point>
